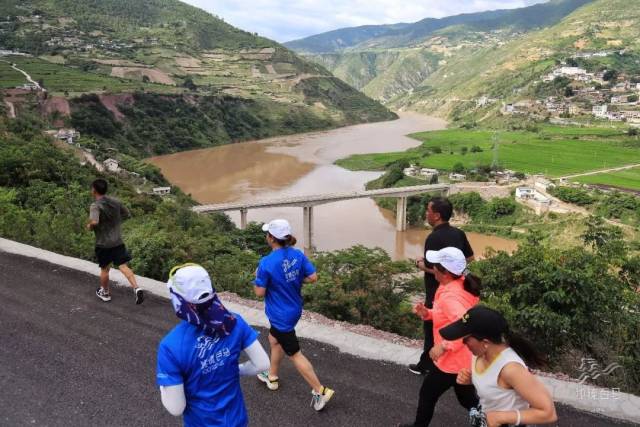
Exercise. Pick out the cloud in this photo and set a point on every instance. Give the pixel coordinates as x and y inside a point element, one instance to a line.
<point>284,20</point>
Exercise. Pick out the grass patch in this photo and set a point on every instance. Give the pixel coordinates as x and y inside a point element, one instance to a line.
<point>10,78</point>
<point>629,179</point>
<point>552,150</point>
<point>58,78</point>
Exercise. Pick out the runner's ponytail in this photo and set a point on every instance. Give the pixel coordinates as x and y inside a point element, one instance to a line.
<point>524,349</point>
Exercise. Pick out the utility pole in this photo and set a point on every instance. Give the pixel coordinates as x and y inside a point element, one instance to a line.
<point>496,140</point>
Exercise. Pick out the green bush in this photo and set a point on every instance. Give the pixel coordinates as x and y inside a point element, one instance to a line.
<point>358,285</point>
<point>569,302</point>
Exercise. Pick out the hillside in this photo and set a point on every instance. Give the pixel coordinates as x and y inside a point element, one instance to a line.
<point>403,35</point>
<point>513,71</point>
<point>394,61</point>
<point>136,51</point>
<point>468,74</point>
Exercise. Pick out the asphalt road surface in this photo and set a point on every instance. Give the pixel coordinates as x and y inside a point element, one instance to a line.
<point>68,359</point>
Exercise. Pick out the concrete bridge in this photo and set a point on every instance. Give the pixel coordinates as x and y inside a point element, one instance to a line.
<point>308,202</point>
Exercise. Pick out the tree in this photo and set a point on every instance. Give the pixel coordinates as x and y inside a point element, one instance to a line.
<point>458,168</point>
<point>189,84</point>
<point>605,239</point>
<point>610,75</point>
<point>463,150</point>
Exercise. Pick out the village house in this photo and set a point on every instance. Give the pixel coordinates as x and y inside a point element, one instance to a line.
<point>457,177</point>
<point>161,191</point>
<point>543,184</point>
<point>532,198</point>
<point>412,170</point>
<point>67,135</point>
<point>600,111</point>
<point>428,173</point>
<point>111,165</point>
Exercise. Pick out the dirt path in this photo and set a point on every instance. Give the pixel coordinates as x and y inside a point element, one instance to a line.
<point>27,76</point>
<point>12,109</point>
<point>621,168</point>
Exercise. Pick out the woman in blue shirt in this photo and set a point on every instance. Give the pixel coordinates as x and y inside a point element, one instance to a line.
<point>198,371</point>
<point>279,280</point>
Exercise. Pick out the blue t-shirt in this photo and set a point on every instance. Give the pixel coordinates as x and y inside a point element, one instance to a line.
<point>282,273</point>
<point>208,368</point>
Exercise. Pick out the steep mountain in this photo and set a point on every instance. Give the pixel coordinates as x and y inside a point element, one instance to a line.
<point>129,52</point>
<point>514,70</point>
<point>402,35</point>
<point>447,72</point>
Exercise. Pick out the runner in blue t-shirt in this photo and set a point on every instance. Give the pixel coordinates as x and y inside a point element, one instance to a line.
<point>198,371</point>
<point>279,280</point>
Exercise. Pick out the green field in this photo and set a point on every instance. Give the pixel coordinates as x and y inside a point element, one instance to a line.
<point>59,78</point>
<point>629,178</point>
<point>10,78</point>
<point>552,150</point>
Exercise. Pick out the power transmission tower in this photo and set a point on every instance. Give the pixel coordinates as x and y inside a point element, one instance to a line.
<point>496,141</point>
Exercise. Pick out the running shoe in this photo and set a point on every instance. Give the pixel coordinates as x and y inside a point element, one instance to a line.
<point>139,295</point>
<point>103,295</point>
<point>320,400</point>
<point>271,384</point>
<point>417,369</point>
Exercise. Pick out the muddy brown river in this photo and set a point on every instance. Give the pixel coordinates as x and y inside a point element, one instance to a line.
<point>301,165</point>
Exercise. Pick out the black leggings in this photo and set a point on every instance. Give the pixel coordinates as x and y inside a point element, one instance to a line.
<point>435,384</point>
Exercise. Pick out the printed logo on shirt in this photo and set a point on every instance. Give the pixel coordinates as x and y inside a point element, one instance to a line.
<point>210,363</point>
<point>289,274</point>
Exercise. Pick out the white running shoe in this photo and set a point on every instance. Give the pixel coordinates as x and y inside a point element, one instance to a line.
<point>271,384</point>
<point>320,400</point>
<point>103,295</point>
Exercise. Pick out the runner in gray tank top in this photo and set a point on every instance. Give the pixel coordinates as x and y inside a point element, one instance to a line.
<point>510,395</point>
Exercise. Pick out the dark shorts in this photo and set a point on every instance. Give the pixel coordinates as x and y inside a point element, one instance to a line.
<point>288,340</point>
<point>117,256</point>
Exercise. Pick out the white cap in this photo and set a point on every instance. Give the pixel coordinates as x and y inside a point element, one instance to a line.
<point>450,258</point>
<point>278,228</point>
<point>192,283</point>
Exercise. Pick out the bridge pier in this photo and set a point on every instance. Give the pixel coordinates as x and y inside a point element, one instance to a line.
<point>243,218</point>
<point>307,226</point>
<point>401,214</point>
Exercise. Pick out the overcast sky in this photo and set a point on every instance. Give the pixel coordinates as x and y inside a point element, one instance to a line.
<point>285,20</point>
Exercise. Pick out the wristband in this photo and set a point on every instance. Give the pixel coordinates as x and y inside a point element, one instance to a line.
<point>518,419</point>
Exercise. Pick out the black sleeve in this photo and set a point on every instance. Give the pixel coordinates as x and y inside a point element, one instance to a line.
<point>466,247</point>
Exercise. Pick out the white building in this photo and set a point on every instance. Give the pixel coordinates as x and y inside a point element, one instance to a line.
<point>457,177</point>
<point>600,111</point>
<point>525,193</point>
<point>428,172</point>
<point>111,165</point>
<point>67,135</point>
<point>161,191</point>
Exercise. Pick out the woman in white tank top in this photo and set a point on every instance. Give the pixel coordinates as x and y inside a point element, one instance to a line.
<point>509,394</point>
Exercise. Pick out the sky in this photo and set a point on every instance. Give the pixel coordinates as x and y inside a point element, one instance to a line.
<point>285,20</point>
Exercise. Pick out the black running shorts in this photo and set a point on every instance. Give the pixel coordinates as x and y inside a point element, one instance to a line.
<point>117,256</point>
<point>288,340</point>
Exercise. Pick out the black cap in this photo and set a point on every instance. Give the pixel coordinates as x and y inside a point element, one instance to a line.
<point>481,322</point>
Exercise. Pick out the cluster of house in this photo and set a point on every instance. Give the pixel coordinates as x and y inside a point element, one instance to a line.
<point>575,73</point>
<point>72,39</point>
<point>594,96</point>
<point>417,171</point>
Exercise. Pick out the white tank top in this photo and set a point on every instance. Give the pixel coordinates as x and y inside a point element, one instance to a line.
<point>492,396</point>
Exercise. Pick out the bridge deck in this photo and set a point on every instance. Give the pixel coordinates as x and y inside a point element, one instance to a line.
<point>319,199</point>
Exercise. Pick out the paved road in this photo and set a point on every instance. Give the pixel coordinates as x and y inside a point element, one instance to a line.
<point>67,359</point>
